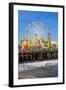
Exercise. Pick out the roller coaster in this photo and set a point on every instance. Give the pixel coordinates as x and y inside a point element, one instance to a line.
<point>36,47</point>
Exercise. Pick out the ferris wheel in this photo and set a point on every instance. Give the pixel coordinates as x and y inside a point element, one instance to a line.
<point>36,28</point>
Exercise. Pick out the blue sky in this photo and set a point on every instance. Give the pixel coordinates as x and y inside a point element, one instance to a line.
<point>49,18</point>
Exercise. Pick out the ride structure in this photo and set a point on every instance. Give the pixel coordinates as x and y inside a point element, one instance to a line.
<point>35,43</point>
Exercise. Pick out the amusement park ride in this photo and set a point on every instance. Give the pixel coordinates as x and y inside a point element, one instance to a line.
<point>35,47</point>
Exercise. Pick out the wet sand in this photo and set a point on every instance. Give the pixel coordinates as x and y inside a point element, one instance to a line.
<point>49,70</point>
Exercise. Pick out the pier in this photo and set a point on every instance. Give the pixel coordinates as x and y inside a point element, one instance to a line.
<point>38,55</point>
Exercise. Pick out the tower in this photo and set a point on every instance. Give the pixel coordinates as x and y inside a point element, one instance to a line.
<point>49,41</point>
